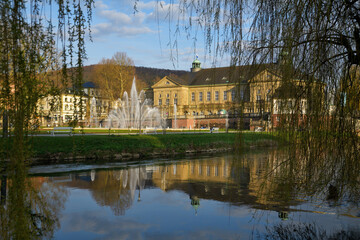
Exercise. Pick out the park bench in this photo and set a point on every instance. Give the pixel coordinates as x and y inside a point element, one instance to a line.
<point>149,130</point>
<point>63,130</point>
<point>214,129</point>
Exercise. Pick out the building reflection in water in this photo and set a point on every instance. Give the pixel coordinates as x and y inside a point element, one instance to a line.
<point>254,180</point>
<point>225,179</point>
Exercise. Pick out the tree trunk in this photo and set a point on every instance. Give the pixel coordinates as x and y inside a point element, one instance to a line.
<point>5,124</point>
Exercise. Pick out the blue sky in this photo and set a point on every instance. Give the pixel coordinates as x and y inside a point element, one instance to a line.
<point>144,35</point>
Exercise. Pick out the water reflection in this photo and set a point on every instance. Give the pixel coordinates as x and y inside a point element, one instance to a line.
<point>216,194</point>
<point>30,207</point>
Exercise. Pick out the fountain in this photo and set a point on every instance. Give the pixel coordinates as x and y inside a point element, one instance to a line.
<point>93,113</point>
<point>134,112</point>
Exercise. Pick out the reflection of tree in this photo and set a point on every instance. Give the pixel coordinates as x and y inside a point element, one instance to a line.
<point>30,212</point>
<point>307,231</point>
<point>116,188</point>
<point>324,172</point>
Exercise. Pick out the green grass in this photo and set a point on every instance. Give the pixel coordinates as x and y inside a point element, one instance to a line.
<point>142,143</point>
<point>102,146</point>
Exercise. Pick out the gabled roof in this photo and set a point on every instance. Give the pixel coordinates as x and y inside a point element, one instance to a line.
<point>288,90</point>
<point>226,75</point>
<point>173,81</point>
<point>179,80</point>
<point>219,76</point>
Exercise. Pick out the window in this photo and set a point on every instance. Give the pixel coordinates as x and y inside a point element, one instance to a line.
<point>233,94</point>
<point>175,101</point>
<point>175,95</point>
<point>208,97</point>
<point>167,82</point>
<point>242,94</point>
<point>200,96</point>
<point>167,101</point>
<point>160,102</point>
<point>258,91</point>
<point>258,97</point>
<point>193,96</point>
<point>160,95</point>
<point>167,95</point>
<point>66,99</point>
<point>290,105</point>
<point>216,95</point>
<point>225,95</point>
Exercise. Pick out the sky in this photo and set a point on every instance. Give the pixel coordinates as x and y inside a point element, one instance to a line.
<point>144,35</point>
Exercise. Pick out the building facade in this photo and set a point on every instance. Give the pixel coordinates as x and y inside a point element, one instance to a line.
<point>216,97</point>
<point>65,108</point>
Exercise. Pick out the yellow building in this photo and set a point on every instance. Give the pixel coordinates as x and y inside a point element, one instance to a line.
<point>214,97</point>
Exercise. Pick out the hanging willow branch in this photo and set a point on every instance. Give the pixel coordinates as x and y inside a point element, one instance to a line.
<point>32,33</point>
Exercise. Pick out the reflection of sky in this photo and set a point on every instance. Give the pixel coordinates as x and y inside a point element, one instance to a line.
<point>158,215</point>
<point>164,215</point>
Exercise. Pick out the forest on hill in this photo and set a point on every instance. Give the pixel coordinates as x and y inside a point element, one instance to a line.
<point>147,75</point>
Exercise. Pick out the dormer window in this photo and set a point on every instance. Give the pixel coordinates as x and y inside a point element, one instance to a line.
<point>207,79</point>
<point>224,78</point>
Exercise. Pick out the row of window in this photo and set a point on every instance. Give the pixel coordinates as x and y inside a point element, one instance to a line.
<point>72,99</point>
<point>208,96</point>
<point>70,108</point>
<point>168,95</point>
<point>208,170</point>
<point>268,98</point>
<point>167,102</point>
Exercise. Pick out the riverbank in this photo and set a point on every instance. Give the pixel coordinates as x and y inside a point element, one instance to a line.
<point>45,150</point>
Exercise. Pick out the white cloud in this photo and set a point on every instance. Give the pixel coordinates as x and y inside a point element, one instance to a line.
<point>113,21</point>
<point>101,29</point>
<point>115,17</point>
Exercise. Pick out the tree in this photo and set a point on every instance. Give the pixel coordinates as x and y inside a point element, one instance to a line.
<point>315,41</point>
<point>114,76</point>
<point>27,53</point>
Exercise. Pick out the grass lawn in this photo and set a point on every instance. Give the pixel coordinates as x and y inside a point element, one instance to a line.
<point>143,143</point>
<point>98,146</point>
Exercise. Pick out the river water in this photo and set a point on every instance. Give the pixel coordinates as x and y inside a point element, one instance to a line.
<point>216,197</point>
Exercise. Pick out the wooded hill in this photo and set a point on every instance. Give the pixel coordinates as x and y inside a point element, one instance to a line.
<point>147,75</point>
